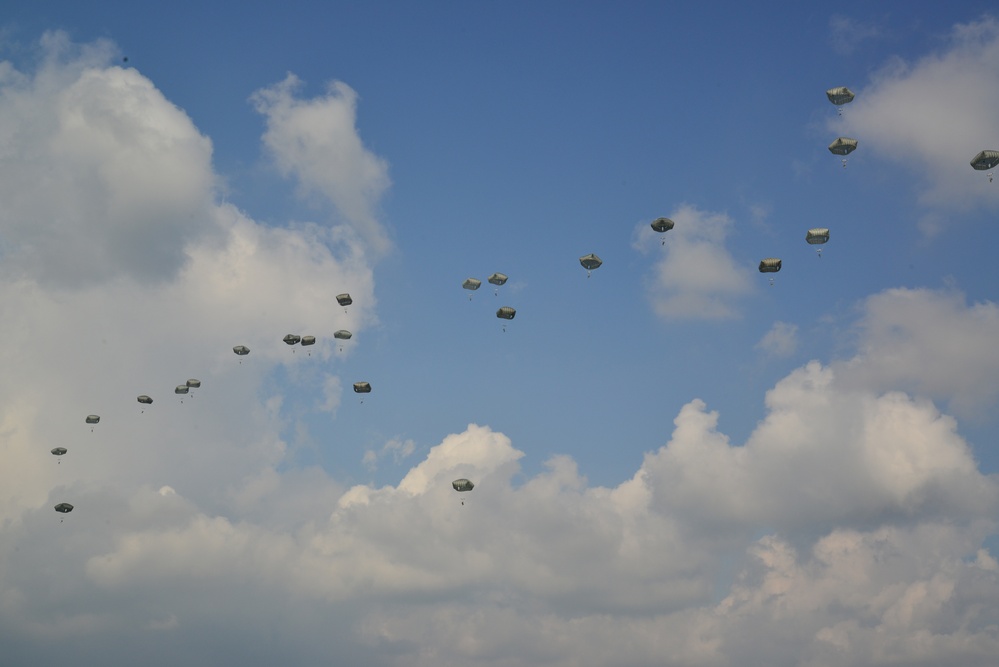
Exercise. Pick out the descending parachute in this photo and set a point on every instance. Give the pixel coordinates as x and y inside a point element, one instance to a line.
<point>59,451</point>
<point>292,339</point>
<point>506,313</point>
<point>344,299</point>
<point>362,388</point>
<point>770,265</point>
<point>471,284</point>
<point>181,389</point>
<point>64,508</point>
<point>984,161</point>
<point>590,262</point>
<point>497,279</point>
<point>145,400</point>
<point>308,340</point>
<point>662,225</point>
<point>193,384</point>
<point>817,236</point>
<point>839,97</point>
<point>843,146</point>
<point>241,350</point>
<point>342,334</point>
<point>93,419</point>
<point>462,485</point>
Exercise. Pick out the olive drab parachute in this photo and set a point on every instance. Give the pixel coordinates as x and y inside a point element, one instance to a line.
<point>144,400</point>
<point>497,279</point>
<point>181,390</point>
<point>193,384</point>
<point>308,340</point>
<point>93,419</point>
<point>241,351</point>
<point>506,313</point>
<point>344,300</point>
<point>462,485</point>
<point>843,146</point>
<point>839,97</point>
<point>59,451</point>
<point>471,284</point>
<point>292,339</point>
<point>590,262</point>
<point>770,265</point>
<point>817,236</point>
<point>342,334</point>
<point>984,161</point>
<point>362,388</point>
<point>63,508</point>
<point>662,225</point>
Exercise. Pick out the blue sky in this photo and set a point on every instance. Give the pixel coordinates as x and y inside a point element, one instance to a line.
<point>670,448</point>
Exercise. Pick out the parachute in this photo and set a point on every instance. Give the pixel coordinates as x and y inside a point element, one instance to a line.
<point>590,262</point>
<point>93,419</point>
<point>471,284</point>
<point>344,299</point>
<point>181,389</point>
<point>342,334</point>
<point>193,384</point>
<point>506,313</point>
<point>497,279</point>
<point>984,161</point>
<point>843,146</point>
<point>839,97</point>
<point>292,339</point>
<point>770,265</point>
<point>145,400</point>
<point>462,485</point>
<point>817,236</point>
<point>59,451</point>
<point>308,340</point>
<point>64,508</point>
<point>241,350</point>
<point>662,225</point>
<point>362,388</point>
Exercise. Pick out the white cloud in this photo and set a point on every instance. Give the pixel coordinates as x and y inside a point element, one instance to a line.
<point>932,116</point>
<point>316,141</point>
<point>696,277</point>
<point>781,340</point>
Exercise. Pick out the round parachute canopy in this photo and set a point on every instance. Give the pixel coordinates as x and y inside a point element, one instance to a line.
<point>93,419</point>
<point>342,334</point>
<point>241,350</point>
<point>843,146</point>
<point>59,451</point>
<point>840,96</point>
<point>181,389</point>
<point>145,400</point>
<point>770,265</point>
<point>590,261</point>
<point>817,235</point>
<point>362,388</point>
<point>662,225</point>
<point>292,339</point>
<point>497,279</point>
<point>193,384</point>
<point>506,312</point>
<point>64,508</point>
<point>985,160</point>
<point>308,340</point>
<point>462,485</point>
<point>471,284</point>
<point>344,299</point>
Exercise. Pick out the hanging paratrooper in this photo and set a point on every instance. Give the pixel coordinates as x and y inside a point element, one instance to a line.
<point>817,236</point>
<point>590,263</point>
<point>662,225</point>
<point>984,161</point>
<point>843,146</point>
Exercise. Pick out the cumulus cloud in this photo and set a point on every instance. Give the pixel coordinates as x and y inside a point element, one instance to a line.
<point>781,340</point>
<point>696,277</point>
<point>316,140</point>
<point>933,115</point>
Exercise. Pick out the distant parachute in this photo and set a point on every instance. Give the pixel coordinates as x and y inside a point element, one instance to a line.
<point>462,485</point>
<point>64,508</point>
<point>59,451</point>
<point>308,340</point>
<point>506,313</point>
<point>662,225</point>
<point>181,389</point>
<point>497,279</point>
<point>344,299</point>
<point>145,400</point>
<point>93,419</point>
<point>984,161</point>
<point>292,339</point>
<point>590,262</point>
<point>839,97</point>
<point>817,236</point>
<point>241,350</point>
<point>843,146</point>
<point>193,384</point>
<point>471,284</point>
<point>770,265</point>
<point>362,388</point>
<point>342,334</point>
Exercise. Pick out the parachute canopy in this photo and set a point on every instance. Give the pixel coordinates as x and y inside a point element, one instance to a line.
<point>590,261</point>
<point>292,339</point>
<point>362,388</point>
<point>344,299</point>
<point>462,485</point>
<point>662,225</point>
<point>471,284</point>
<point>342,334</point>
<point>181,389</point>
<point>497,279</point>
<point>985,160</point>
<point>817,235</point>
<point>193,384</point>
<point>59,451</point>
<point>241,350</point>
<point>145,399</point>
<point>64,508</point>
<point>770,265</point>
<point>843,146</point>
<point>308,340</point>
<point>840,96</point>
<point>93,419</point>
<point>506,312</point>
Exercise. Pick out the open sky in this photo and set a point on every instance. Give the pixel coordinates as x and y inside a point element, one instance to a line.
<point>676,462</point>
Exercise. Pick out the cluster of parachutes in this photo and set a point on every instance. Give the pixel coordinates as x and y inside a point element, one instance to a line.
<point>496,279</point>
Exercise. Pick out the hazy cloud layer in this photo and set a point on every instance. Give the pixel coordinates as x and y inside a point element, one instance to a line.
<point>933,115</point>
<point>695,277</point>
